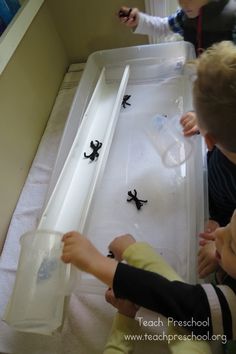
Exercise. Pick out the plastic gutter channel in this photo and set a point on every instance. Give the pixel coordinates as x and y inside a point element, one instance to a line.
<point>68,206</point>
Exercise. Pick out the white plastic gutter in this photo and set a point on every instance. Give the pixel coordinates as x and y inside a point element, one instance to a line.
<point>69,203</point>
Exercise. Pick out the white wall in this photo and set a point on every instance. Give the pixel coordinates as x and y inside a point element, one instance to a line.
<point>28,87</point>
<point>88,26</point>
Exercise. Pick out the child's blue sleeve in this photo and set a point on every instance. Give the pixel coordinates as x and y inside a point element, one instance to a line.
<point>176,22</point>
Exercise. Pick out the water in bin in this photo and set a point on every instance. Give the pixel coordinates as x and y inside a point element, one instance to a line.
<point>42,282</point>
<point>166,135</point>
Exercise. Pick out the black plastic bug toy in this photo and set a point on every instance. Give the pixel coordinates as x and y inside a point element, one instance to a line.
<point>125,99</point>
<point>138,202</point>
<point>110,254</point>
<point>95,147</point>
<point>123,13</point>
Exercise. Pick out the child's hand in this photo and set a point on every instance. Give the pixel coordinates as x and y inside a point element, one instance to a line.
<point>205,237</point>
<point>129,16</point>
<point>79,251</point>
<point>209,232</point>
<point>119,245</point>
<point>207,262</point>
<point>125,307</point>
<point>211,226</point>
<point>189,123</point>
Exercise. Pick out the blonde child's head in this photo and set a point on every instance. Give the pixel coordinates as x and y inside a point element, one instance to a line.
<point>214,94</point>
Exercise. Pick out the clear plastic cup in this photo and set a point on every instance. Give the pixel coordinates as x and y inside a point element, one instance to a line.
<point>169,141</point>
<point>42,282</point>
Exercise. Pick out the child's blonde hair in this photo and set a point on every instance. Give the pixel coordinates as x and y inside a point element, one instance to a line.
<point>215,93</point>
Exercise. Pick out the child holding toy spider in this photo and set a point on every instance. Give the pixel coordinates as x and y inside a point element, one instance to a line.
<point>200,22</point>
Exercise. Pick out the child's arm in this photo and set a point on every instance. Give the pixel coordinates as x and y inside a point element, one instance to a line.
<point>174,293</point>
<point>160,26</point>
<point>152,25</point>
<point>124,307</point>
<point>79,251</point>
<point>173,299</point>
<point>189,305</point>
<point>120,244</point>
<point>141,255</point>
<point>121,327</point>
<point>143,23</point>
<point>123,324</point>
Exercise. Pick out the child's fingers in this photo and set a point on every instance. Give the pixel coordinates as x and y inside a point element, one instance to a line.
<point>204,272</point>
<point>67,235</point>
<point>188,116</point>
<point>202,243</point>
<point>206,236</point>
<point>68,241</point>
<point>71,236</point>
<point>130,21</point>
<point>201,256</point>
<point>124,19</point>
<point>124,13</point>
<point>109,296</point>
<point>128,16</point>
<point>189,124</point>
<point>203,264</point>
<point>211,226</point>
<point>201,270</point>
<point>65,258</point>
<point>184,119</point>
<point>191,131</point>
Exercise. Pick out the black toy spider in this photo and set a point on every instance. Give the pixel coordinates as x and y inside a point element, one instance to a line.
<point>111,255</point>
<point>138,202</point>
<point>125,99</point>
<point>94,155</point>
<point>123,13</point>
